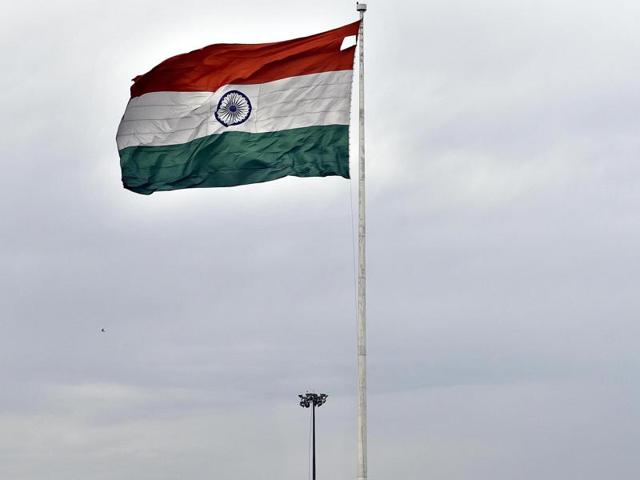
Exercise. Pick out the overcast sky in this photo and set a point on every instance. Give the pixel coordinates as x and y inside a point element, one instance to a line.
<point>503,142</point>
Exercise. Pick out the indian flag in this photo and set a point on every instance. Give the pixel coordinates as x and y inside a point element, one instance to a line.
<point>234,114</point>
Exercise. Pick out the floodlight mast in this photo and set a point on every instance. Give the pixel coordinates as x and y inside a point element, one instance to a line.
<point>313,400</point>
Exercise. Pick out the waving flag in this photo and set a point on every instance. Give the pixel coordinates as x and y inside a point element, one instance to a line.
<point>235,114</point>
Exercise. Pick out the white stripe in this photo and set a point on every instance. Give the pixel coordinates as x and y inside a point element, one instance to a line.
<point>170,118</point>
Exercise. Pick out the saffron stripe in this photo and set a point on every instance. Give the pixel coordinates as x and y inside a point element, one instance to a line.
<point>209,68</point>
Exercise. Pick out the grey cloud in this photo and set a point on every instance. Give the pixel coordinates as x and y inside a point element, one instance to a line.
<point>502,158</point>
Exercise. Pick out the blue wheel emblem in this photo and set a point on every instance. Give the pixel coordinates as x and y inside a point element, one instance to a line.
<point>233,108</point>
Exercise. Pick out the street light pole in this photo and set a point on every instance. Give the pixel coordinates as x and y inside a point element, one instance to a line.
<point>313,400</point>
<point>313,422</point>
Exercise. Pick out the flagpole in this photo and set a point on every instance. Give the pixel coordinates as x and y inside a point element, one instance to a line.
<point>362,272</point>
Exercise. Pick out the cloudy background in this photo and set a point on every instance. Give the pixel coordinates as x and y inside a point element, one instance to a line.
<point>503,146</point>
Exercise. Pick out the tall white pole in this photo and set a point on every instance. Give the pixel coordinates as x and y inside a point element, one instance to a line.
<point>362,271</point>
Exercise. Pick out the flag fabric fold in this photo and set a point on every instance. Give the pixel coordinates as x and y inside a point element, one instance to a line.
<point>235,114</point>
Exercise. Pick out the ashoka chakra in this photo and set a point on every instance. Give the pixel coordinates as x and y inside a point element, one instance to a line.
<point>234,108</point>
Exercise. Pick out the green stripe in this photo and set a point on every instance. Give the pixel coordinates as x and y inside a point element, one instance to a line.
<point>237,158</point>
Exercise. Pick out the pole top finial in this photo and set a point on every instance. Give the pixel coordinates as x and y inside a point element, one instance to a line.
<point>361,7</point>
